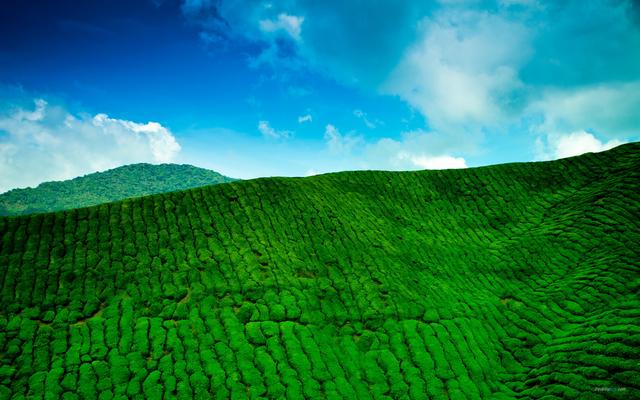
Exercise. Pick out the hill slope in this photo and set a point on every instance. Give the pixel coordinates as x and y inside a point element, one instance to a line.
<point>510,281</point>
<point>120,183</point>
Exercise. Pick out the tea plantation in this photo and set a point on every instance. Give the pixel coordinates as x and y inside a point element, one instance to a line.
<point>515,281</point>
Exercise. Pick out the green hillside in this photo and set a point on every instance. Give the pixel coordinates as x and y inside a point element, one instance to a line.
<point>515,281</point>
<point>103,187</point>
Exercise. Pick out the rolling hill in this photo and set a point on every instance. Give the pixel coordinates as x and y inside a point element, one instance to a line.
<point>516,281</point>
<point>120,183</point>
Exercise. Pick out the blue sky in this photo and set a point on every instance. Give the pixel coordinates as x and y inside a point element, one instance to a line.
<point>300,87</point>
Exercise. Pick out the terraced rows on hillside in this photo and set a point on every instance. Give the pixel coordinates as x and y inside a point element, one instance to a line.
<point>510,281</point>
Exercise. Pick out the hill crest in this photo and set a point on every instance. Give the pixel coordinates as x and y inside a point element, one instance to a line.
<point>127,181</point>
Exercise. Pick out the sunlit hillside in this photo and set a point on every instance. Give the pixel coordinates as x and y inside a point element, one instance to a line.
<point>502,282</point>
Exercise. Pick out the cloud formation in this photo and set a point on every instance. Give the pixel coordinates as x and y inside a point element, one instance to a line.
<point>365,119</point>
<point>556,146</point>
<point>415,150</point>
<point>462,70</point>
<point>267,131</point>
<point>337,143</point>
<point>291,24</point>
<point>49,143</point>
<point>305,118</point>
<point>610,110</point>
<point>437,162</point>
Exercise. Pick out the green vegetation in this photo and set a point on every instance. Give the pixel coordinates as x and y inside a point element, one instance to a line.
<point>103,187</point>
<point>510,281</point>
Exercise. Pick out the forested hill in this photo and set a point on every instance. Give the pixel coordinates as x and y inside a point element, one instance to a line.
<point>515,281</point>
<point>102,187</point>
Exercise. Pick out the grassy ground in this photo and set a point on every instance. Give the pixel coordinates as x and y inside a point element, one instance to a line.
<point>510,281</point>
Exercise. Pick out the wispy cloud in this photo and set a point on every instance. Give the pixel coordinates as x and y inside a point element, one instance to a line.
<point>363,116</point>
<point>305,118</point>
<point>267,131</point>
<point>415,150</point>
<point>337,143</point>
<point>291,24</point>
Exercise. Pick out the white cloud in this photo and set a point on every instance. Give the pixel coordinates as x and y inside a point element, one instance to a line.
<point>414,150</point>
<point>608,109</point>
<point>461,69</point>
<point>160,141</point>
<point>35,115</point>
<point>305,118</point>
<point>267,131</point>
<point>437,162</point>
<point>555,146</point>
<point>49,143</point>
<point>339,143</point>
<point>570,119</point>
<point>291,24</point>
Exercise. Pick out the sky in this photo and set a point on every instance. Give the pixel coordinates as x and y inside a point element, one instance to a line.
<point>301,87</point>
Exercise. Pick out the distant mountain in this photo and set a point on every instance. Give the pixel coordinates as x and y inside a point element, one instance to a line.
<point>102,187</point>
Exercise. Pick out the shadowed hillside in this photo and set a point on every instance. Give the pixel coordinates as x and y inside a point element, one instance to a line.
<point>502,282</point>
<point>103,187</point>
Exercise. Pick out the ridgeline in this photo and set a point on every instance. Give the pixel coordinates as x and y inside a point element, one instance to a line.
<point>516,281</point>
